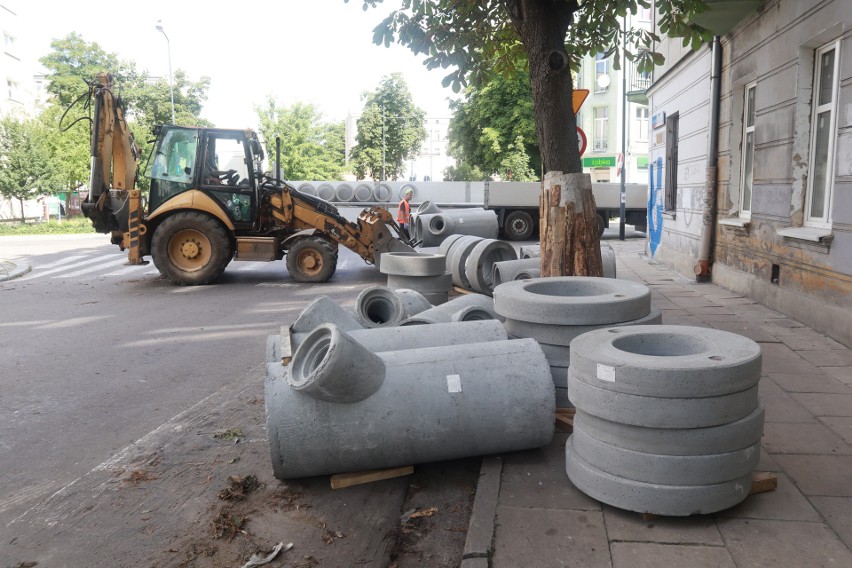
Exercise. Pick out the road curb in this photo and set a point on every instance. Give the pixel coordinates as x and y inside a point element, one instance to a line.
<point>480,530</point>
<point>8,274</point>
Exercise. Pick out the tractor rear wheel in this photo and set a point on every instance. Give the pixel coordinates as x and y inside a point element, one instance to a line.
<point>311,259</point>
<point>191,249</point>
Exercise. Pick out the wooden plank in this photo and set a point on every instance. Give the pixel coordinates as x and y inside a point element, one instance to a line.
<point>461,290</point>
<point>565,422</point>
<point>763,481</point>
<point>571,411</point>
<point>341,480</point>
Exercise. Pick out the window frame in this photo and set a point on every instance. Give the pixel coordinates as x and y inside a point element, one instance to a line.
<point>746,130</point>
<point>600,143</point>
<point>816,109</point>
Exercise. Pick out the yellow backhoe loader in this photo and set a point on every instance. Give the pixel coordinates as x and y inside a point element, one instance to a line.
<point>209,203</point>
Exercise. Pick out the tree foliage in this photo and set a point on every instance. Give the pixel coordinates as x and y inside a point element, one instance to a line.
<point>389,120</point>
<point>493,130</point>
<point>25,167</point>
<point>476,39</point>
<point>72,64</point>
<point>311,148</point>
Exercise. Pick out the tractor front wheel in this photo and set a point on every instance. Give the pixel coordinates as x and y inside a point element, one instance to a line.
<point>311,259</point>
<point>191,249</point>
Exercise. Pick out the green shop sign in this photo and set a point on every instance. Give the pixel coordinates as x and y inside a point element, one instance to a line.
<point>599,162</point>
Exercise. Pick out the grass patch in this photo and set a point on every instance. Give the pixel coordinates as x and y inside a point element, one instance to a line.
<point>70,226</point>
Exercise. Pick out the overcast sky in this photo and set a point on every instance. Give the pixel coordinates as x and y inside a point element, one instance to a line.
<point>313,51</point>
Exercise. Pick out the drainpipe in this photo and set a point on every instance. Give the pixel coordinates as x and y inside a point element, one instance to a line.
<point>702,269</point>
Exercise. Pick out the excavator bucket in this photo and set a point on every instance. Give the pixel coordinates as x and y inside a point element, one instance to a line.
<point>377,222</point>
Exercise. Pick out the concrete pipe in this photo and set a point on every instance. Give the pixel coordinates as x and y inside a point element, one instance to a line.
<point>528,274</point>
<point>474,313</point>
<point>457,259</point>
<point>719,439</point>
<point>562,400</point>
<point>431,229</point>
<point>325,191</point>
<point>324,310</point>
<point>436,298</point>
<point>507,270</point>
<point>344,193</point>
<point>379,339</point>
<point>433,404</point>
<point>441,283</point>
<point>379,306</point>
<point>531,251</point>
<point>308,189</point>
<point>329,365</point>
<point>554,334</point>
<point>413,264</point>
<point>572,300</point>
<point>477,222</point>
<point>653,498</point>
<point>363,192</point>
<point>479,266</point>
<point>382,192</point>
<point>447,243</point>
<point>428,208</point>
<point>667,361</point>
<point>445,312</point>
<point>608,260</point>
<point>405,188</point>
<point>705,469</point>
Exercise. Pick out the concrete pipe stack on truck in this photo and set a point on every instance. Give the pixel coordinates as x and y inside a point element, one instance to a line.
<point>517,205</point>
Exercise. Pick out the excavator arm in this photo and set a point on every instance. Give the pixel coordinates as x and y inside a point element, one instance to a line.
<point>113,203</point>
<point>371,236</point>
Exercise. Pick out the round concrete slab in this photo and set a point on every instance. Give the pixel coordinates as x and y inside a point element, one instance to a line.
<point>657,499</point>
<point>670,361</point>
<point>413,264</point>
<point>572,300</point>
<point>554,334</point>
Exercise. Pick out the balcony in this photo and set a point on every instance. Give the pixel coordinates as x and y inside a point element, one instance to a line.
<point>637,84</point>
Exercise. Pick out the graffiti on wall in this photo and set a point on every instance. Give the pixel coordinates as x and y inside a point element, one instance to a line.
<point>655,204</point>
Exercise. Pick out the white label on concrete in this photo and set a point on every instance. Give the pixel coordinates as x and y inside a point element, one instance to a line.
<point>460,220</point>
<point>606,373</point>
<point>453,383</point>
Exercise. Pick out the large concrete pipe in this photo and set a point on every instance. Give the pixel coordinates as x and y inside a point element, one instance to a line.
<point>531,251</point>
<point>445,312</point>
<point>426,405</point>
<point>363,192</point>
<point>607,258</point>
<point>382,192</point>
<point>325,191</point>
<point>457,258</point>
<point>447,244</point>
<point>436,289</point>
<point>508,270</point>
<point>379,306</point>
<point>324,310</point>
<point>428,208</point>
<point>476,221</point>
<point>479,266</point>
<point>432,228</point>
<point>344,193</point>
<point>668,420</point>
<point>307,188</point>
<point>398,338</point>
<point>413,263</point>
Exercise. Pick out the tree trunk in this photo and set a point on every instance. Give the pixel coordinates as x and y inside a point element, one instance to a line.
<point>23,217</point>
<point>568,233</point>
<point>570,245</point>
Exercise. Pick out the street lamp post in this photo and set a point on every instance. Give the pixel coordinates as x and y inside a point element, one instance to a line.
<point>160,29</point>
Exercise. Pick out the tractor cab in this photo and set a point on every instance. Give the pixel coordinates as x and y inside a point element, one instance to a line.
<point>223,164</point>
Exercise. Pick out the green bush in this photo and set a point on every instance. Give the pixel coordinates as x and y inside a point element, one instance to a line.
<point>72,225</point>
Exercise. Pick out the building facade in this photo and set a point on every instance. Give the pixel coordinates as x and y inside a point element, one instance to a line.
<point>601,116</point>
<point>751,159</point>
<point>14,75</point>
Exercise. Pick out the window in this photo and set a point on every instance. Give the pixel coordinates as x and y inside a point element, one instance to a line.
<point>642,123</point>
<point>671,162</point>
<point>823,129</point>
<point>601,73</point>
<point>601,128</point>
<point>747,160</point>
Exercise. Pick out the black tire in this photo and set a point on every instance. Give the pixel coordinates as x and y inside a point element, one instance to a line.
<point>191,249</point>
<point>312,259</point>
<point>601,225</point>
<point>519,226</point>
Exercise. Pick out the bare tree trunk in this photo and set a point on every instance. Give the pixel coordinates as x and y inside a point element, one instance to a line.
<point>23,217</point>
<point>570,245</point>
<point>568,232</point>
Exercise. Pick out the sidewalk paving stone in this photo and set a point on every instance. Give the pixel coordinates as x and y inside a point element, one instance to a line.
<point>813,438</point>
<point>828,357</point>
<point>778,357</point>
<point>809,382</point>
<point>819,475</point>
<point>842,374</point>
<point>770,544</point>
<point>654,555</point>
<point>785,502</point>
<point>842,426</point>
<point>629,526</point>
<point>822,404</point>
<point>837,512</point>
